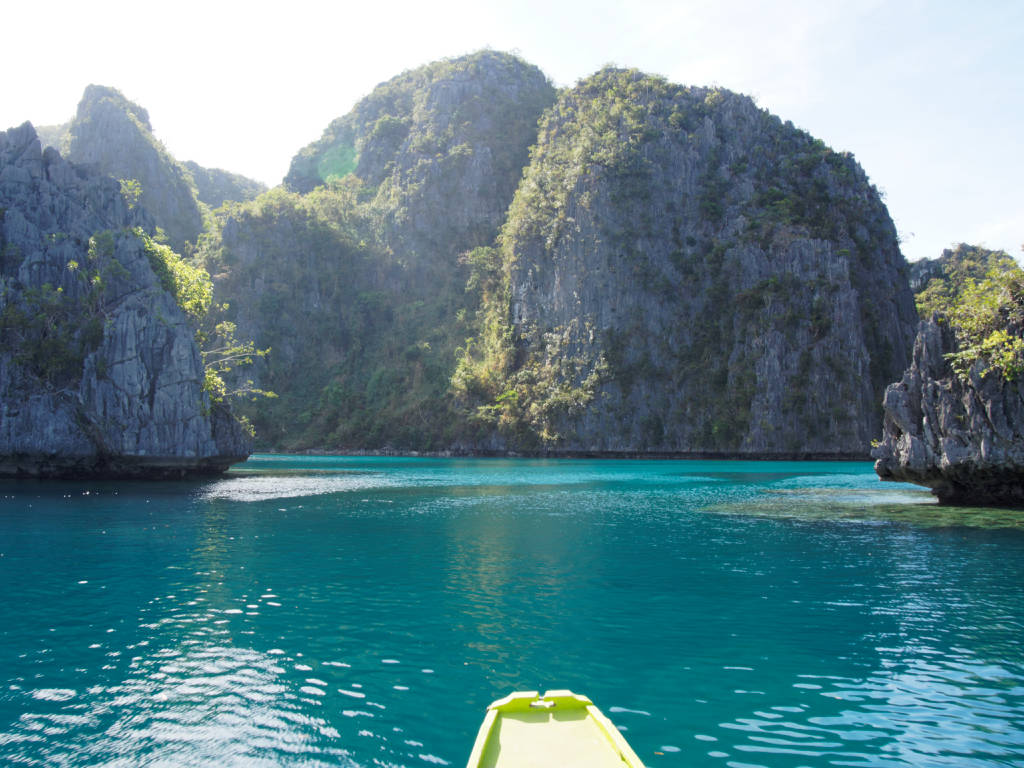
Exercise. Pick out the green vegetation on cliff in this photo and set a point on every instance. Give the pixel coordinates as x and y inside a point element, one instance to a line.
<point>358,363</point>
<point>100,370</point>
<point>980,293</point>
<point>941,281</point>
<point>469,259</point>
<point>681,271</point>
<point>357,284</point>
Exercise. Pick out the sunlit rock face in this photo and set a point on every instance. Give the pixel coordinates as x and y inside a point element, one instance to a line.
<point>356,284</point>
<point>687,273</point>
<point>961,437</point>
<point>114,137</point>
<point>440,148</point>
<point>100,374</point>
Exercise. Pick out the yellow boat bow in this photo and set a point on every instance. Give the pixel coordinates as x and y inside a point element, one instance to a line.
<point>560,729</point>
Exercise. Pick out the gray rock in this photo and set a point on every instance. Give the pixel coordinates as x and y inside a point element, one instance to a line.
<point>100,374</point>
<point>114,136</point>
<point>964,439</point>
<point>688,274</point>
<point>443,146</point>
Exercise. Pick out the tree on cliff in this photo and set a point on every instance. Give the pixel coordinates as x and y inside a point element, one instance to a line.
<point>950,274</point>
<point>988,318</point>
<point>955,420</point>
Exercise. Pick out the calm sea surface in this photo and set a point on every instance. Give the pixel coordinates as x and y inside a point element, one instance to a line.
<point>332,611</point>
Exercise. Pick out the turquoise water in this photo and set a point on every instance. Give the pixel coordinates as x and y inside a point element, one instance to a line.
<point>332,611</point>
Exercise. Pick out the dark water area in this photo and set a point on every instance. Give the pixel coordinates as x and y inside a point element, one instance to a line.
<point>333,611</point>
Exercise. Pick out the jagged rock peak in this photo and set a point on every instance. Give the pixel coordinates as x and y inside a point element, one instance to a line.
<point>961,436</point>
<point>96,95</point>
<point>100,374</point>
<point>114,135</point>
<point>438,152</point>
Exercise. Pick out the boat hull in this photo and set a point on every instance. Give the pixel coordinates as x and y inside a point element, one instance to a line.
<point>560,728</point>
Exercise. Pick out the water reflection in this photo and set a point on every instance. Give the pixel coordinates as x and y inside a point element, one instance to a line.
<point>324,618</point>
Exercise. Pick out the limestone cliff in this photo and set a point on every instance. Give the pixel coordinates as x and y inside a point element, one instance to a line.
<point>100,374</point>
<point>439,150</point>
<point>682,272</point>
<point>356,284</point>
<point>962,436</point>
<point>114,136</point>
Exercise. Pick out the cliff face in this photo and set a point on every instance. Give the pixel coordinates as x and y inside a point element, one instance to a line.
<point>963,437</point>
<point>114,136</point>
<point>299,281</point>
<point>682,272</point>
<point>99,369</point>
<point>440,149</point>
<point>356,284</point>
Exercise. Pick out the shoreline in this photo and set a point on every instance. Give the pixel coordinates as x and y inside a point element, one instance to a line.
<point>550,454</point>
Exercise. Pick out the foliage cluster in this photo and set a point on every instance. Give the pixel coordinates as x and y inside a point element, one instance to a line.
<point>362,352</point>
<point>190,285</point>
<point>50,334</point>
<point>981,295</point>
<point>221,350</point>
<point>957,268</point>
<point>53,327</point>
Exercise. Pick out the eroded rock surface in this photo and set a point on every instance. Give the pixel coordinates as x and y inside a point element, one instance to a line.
<point>963,438</point>
<point>100,374</point>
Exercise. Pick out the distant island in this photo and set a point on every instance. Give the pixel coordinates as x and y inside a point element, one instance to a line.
<point>473,261</point>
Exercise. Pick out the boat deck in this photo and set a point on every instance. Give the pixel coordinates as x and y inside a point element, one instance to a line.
<point>558,729</point>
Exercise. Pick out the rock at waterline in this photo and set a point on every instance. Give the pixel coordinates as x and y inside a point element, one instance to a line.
<point>100,374</point>
<point>961,437</point>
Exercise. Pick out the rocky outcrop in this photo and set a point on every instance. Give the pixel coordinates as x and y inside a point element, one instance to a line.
<point>114,136</point>
<point>937,282</point>
<point>963,437</point>
<point>685,273</point>
<point>100,374</point>
<point>668,270</point>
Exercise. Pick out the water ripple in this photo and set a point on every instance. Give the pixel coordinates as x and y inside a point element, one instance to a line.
<point>160,625</point>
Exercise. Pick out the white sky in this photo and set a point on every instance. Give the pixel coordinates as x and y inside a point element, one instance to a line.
<point>927,94</point>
